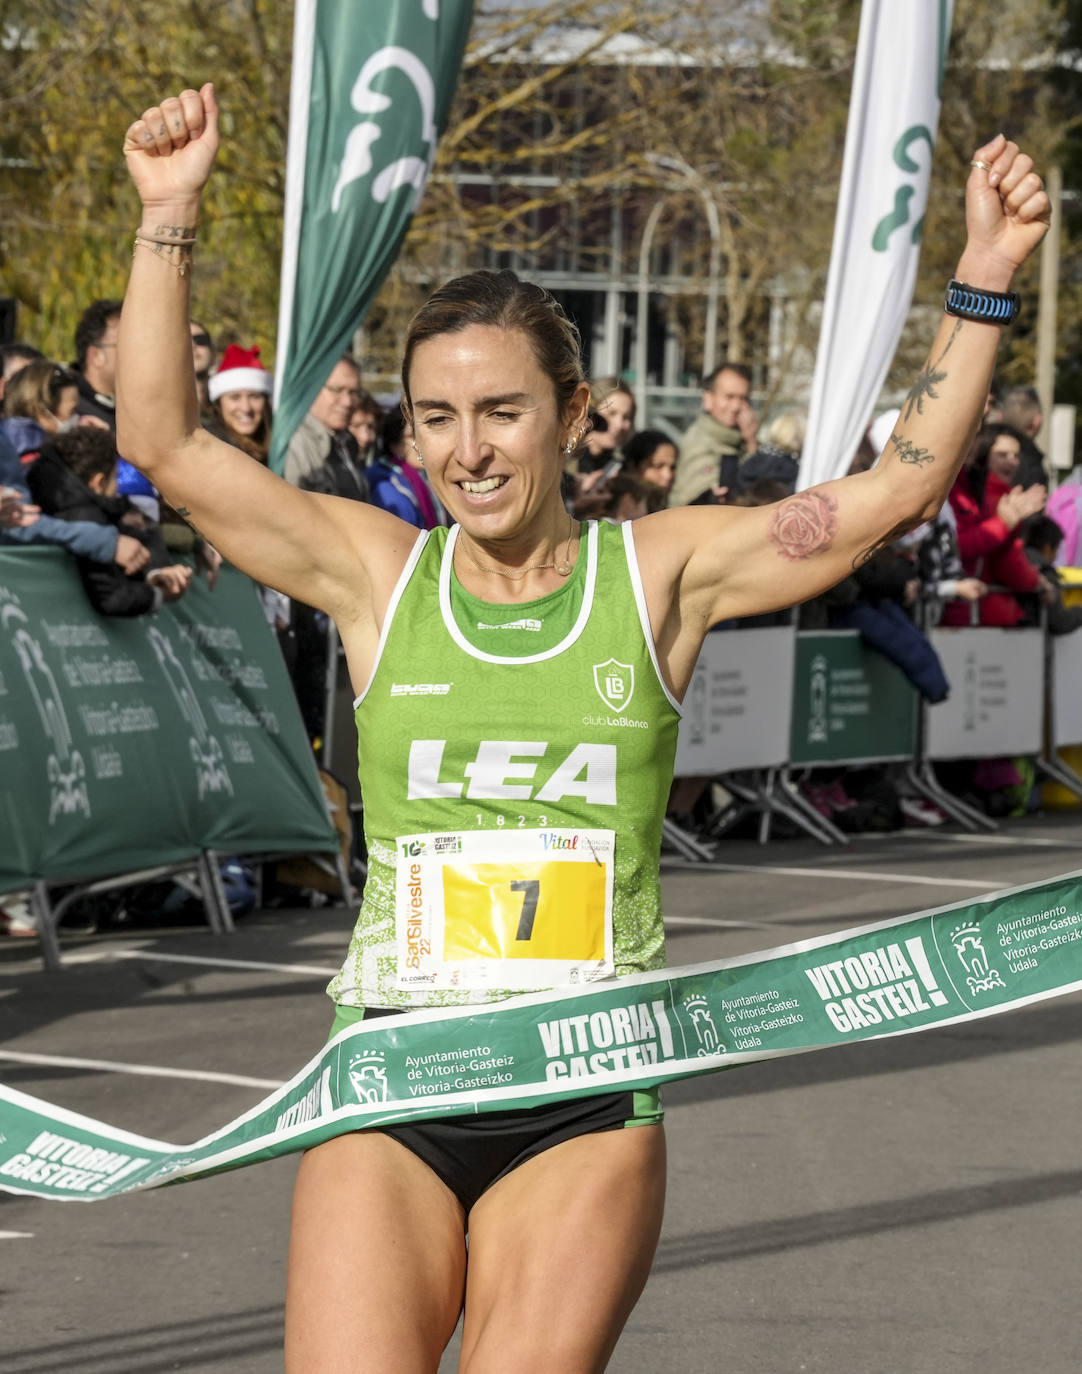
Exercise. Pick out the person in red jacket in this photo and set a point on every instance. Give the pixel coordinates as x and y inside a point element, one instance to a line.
<point>989,508</point>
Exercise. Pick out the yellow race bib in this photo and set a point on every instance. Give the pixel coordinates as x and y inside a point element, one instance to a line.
<point>519,910</point>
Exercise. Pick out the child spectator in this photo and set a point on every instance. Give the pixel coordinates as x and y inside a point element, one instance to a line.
<point>75,479</point>
<point>1043,538</point>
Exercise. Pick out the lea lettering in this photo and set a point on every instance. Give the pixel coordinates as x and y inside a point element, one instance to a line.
<point>515,770</point>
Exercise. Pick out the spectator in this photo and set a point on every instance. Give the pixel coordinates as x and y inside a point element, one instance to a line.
<point>1065,508</point>
<point>398,483</point>
<point>95,360</point>
<point>621,497</point>
<point>778,459</point>
<point>364,425</point>
<point>612,420</point>
<point>650,457</point>
<point>39,400</point>
<point>989,508</point>
<point>322,455</point>
<point>934,546</point>
<point>1043,538</point>
<point>75,479</point>
<point>23,523</point>
<point>203,358</point>
<point>1021,409</point>
<point>13,357</point>
<point>239,395</point>
<point>724,434</point>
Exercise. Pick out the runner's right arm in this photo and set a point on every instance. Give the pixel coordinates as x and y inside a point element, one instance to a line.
<point>319,549</point>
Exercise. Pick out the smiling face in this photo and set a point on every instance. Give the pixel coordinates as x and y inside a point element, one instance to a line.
<point>487,423</point>
<point>243,410</point>
<point>1003,457</point>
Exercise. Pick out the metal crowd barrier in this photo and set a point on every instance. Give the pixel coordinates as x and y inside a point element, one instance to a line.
<point>1013,692</point>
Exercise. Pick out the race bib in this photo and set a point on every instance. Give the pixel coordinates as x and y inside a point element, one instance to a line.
<point>518,909</point>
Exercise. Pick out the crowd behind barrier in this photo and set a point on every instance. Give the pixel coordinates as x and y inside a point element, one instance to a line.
<point>938,677</point>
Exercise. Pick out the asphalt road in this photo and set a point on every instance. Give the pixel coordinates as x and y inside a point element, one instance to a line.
<point>910,1206</point>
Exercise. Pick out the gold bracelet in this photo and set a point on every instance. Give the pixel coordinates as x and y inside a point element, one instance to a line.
<point>182,268</point>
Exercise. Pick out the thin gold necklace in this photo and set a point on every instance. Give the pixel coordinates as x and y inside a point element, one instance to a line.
<point>563,566</point>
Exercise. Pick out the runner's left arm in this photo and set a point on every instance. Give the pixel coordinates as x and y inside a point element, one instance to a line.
<point>706,564</point>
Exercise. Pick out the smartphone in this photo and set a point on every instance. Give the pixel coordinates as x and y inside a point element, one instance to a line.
<point>611,468</point>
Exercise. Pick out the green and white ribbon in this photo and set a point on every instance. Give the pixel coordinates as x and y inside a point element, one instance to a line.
<point>937,968</point>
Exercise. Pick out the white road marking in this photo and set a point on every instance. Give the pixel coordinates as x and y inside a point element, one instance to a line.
<point>16,1235</point>
<point>855,875</point>
<point>317,970</point>
<point>1035,840</point>
<point>59,1061</point>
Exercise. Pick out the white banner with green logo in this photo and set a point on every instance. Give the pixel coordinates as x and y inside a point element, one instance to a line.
<point>371,88</point>
<point>893,116</point>
<point>913,973</point>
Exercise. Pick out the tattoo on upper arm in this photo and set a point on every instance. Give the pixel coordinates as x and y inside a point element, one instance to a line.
<point>804,524</point>
<point>929,379</point>
<point>903,527</point>
<point>908,452</point>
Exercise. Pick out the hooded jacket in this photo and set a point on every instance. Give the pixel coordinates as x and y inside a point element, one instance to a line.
<point>59,492</point>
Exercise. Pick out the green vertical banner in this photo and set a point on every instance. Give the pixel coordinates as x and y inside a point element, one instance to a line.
<point>371,88</point>
<point>129,743</point>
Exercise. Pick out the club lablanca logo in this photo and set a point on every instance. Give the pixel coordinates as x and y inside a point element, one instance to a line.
<point>615,683</point>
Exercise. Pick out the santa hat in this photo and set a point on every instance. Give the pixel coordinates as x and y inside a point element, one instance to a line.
<point>240,370</point>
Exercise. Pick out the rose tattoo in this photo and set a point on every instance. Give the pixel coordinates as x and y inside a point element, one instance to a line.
<point>804,524</point>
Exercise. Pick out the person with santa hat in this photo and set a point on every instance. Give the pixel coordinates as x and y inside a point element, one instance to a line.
<point>240,394</point>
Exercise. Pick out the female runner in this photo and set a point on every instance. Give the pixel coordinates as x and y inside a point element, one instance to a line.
<point>496,705</point>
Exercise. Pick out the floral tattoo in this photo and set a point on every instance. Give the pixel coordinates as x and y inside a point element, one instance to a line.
<point>804,524</point>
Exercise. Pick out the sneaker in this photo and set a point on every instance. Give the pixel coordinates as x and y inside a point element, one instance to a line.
<point>917,811</point>
<point>16,918</point>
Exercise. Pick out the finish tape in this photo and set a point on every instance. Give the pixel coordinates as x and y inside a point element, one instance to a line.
<point>912,973</point>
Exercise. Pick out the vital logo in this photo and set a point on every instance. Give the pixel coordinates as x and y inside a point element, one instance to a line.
<point>702,1022</point>
<point>615,683</point>
<point>969,947</point>
<point>368,1076</point>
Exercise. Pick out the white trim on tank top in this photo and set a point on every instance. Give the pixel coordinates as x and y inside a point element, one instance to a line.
<point>644,614</point>
<point>569,639</point>
<point>392,606</point>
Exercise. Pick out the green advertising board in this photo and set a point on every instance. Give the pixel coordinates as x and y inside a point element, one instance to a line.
<point>850,704</point>
<point>128,743</point>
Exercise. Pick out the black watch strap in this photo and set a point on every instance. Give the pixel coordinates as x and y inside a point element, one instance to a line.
<point>971,303</point>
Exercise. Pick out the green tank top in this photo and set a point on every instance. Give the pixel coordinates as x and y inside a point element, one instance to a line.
<point>492,740</point>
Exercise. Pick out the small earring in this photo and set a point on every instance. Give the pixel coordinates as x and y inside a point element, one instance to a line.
<point>420,455</point>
